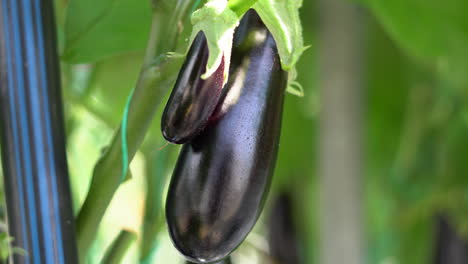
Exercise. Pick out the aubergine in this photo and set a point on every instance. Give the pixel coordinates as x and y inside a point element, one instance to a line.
<point>193,99</point>
<point>450,244</point>
<point>222,176</point>
<point>283,240</point>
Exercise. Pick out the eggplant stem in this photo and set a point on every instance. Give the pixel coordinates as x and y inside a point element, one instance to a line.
<point>119,247</point>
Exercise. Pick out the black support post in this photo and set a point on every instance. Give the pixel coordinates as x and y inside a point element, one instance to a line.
<point>39,208</point>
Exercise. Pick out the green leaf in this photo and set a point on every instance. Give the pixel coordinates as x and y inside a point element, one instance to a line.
<point>113,81</point>
<point>432,31</point>
<point>19,251</point>
<point>98,29</point>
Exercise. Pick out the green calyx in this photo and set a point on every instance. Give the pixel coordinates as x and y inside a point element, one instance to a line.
<point>218,22</point>
<point>219,18</point>
<point>281,17</point>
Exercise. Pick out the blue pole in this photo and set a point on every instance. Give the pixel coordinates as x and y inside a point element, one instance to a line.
<point>39,208</point>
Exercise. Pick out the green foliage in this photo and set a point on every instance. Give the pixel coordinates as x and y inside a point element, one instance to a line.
<point>433,31</point>
<point>98,29</point>
<point>415,127</point>
<point>416,112</point>
<point>111,90</point>
<point>387,88</point>
<point>6,249</point>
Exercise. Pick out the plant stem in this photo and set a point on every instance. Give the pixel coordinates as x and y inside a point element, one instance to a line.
<point>153,220</point>
<point>119,247</point>
<point>106,174</point>
<point>152,84</point>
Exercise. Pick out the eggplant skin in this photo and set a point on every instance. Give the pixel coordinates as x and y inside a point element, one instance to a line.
<point>192,100</point>
<point>224,261</point>
<point>222,176</point>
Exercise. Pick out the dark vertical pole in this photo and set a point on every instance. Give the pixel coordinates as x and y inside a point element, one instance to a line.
<point>39,208</point>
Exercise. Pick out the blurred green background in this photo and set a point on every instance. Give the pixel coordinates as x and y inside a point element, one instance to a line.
<point>415,126</point>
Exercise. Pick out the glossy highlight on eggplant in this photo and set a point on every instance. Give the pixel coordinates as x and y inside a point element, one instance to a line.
<point>222,176</point>
<point>193,99</point>
<point>224,261</point>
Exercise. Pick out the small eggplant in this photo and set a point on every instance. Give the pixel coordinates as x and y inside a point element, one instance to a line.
<point>193,99</point>
<point>222,176</point>
<point>282,232</point>
<point>450,245</point>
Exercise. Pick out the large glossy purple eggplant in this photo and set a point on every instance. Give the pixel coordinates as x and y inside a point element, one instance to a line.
<point>193,99</point>
<point>222,176</point>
